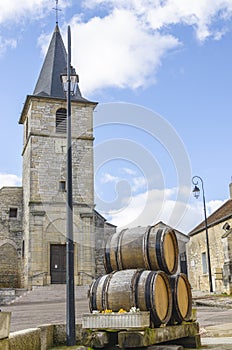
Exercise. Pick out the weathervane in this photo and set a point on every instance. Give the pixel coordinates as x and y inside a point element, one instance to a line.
<point>56,9</point>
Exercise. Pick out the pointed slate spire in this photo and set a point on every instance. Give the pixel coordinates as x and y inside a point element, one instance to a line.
<point>55,63</point>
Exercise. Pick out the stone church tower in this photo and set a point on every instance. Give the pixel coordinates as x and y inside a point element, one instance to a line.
<point>44,174</point>
<point>41,212</point>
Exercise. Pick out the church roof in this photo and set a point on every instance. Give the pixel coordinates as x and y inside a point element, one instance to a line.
<point>221,214</point>
<point>55,63</point>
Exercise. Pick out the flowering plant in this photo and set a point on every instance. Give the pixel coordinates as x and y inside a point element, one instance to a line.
<point>107,311</point>
<point>121,311</point>
<point>133,309</point>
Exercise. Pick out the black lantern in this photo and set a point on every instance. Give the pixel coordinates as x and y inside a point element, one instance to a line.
<point>196,191</point>
<point>74,80</point>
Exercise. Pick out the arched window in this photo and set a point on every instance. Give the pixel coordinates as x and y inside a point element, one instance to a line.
<point>61,121</point>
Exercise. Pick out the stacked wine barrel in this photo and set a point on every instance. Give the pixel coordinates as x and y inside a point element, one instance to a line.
<point>141,265</point>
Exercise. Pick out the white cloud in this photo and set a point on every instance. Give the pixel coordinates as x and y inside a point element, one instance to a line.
<point>148,208</point>
<point>195,214</point>
<point>129,171</point>
<point>136,183</point>
<point>22,11</point>
<point>117,51</point>
<point>9,180</point>
<point>106,178</point>
<point>213,205</point>
<point>139,183</point>
<point>6,43</point>
<point>200,15</point>
<point>16,10</point>
<point>125,45</point>
<point>160,14</point>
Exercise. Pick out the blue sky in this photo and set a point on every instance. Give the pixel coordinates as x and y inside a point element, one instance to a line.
<point>161,72</point>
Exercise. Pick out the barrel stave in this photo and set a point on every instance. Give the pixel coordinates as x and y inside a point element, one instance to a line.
<point>131,249</point>
<point>119,291</point>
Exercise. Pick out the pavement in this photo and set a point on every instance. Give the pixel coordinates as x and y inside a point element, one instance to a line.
<point>45,305</point>
<point>212,299</point>
<point>219,335</point>
<point>217,303</point>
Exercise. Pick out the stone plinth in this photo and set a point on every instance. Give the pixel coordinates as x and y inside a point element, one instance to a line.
<point>28,339</point>
<point>185,333</point>
<point>5,318</point>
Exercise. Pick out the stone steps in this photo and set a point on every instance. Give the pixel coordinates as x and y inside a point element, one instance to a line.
<point>7,295</point>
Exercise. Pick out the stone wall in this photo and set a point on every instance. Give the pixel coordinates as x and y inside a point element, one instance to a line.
<point>10,236</point>
<point>103,230</point>
<point>199,279</point>
<point>47,151</point>
<point>227,266</point>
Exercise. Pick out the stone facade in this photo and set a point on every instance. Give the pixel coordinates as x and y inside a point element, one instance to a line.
<point>227,266</point>
<point>44,167</point>
<point>11,243</point>
<point>220,247</point>
<point>103,230</point>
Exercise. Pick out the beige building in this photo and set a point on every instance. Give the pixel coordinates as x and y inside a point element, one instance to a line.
<point>220,248</point>
<point>33,217</point>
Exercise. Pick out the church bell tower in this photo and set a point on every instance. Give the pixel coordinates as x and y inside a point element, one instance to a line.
<point>44,118</point>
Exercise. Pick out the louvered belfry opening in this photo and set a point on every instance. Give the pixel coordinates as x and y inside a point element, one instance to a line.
<point>61,121</point>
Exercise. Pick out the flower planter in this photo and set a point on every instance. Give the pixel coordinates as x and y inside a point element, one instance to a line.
<point>127,320</point>
<point>5,318</point>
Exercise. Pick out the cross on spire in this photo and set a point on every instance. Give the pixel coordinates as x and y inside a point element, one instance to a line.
<point>57,10</point>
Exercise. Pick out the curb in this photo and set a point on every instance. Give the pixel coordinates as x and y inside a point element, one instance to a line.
<point>212,303</point>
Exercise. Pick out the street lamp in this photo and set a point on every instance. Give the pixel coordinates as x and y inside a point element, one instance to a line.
<point>69,81</point>
<point>196,193</point>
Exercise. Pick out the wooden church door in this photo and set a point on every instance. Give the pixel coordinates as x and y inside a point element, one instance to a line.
<point>58,263</point>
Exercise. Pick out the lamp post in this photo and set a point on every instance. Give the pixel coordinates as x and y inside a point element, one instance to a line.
<point>196,193</point>
<point>69,81</point>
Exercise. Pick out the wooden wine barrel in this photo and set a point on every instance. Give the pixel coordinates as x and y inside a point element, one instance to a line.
<point>182,298</point>
<point>151,248</point>
<point>146,290</point>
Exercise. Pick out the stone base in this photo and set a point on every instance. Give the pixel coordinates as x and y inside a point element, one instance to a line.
<point>5,318</point>
<point>182,334</point>
<point>26,339</point>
